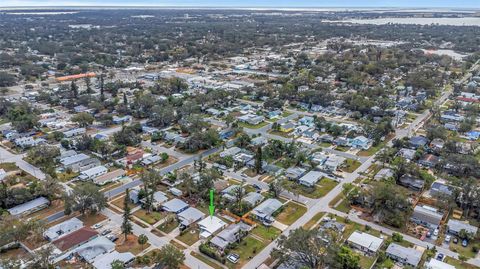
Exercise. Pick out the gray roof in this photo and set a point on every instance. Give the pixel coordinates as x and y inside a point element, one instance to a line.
<point>63,228</point>
<point>311,178</point>
<point>427,214</point>
<point>174,205</point>
<point>74,159</point>
<point>30,205</point>
<point>190,215</point>
<point>253,198</point>
<point>456,226</point>
<point>267,208</point>
<point>229,234</point>
<point>407,255</point>
<point>94,248</point>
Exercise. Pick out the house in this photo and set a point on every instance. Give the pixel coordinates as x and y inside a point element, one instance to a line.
<point>361,142</point>
<point>105,261</point>
<point>251,119</point>
<point>189,216</point>
<point>243,158</point>
<point>109,177</point>
<point>441,189</point>
<point>74,132</point>
<point>287,127</point>
<point>121,120</point>
<point>427,216</point>
<point>253,198</point>
<point>473,135</point>
<point>408,154</point>
<point>384,173</point>
<point>437,144</point>
<point>28,141</point>
<point>230,191</point>
<point>150,130</point>
<point>307,120</point>
<point>81,108</point>
<point>332,224</point>
<point>403,255</point>
<point>79,162</point>
<point>274,114</point>
<point>93,172</point>
<point>365,242</point>
<point>176,192</point>
<point>273,170</point>
<point>62,229</point>
<point>411,182</point>
<point>429,160</point>
<point>230,152</point>
<point>342,141</point>
<point>333,163</point>
<point>210,225</point>
<point>266,210</point>
<point>259,141</point>
<point>158,199</point>
<point>233,233</point>
<point>175,205</point>
<point>326,138</point>
<point>94,248</point>
<point>151,159</point>
<point>311,178</point>
<point>455,226</point>
<point>134,192</point>
<point>75,239</point>
<point>294,173</point>
<point>29,207</point>
<point>416,142</point>
<point>436,264</point>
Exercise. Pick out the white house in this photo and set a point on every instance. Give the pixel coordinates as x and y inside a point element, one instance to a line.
<point>365,242</point>
<point>210,225</point>
<point>93,172</point>
<point>311,178</point>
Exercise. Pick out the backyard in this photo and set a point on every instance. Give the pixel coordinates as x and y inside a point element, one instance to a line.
<point>291,212</point>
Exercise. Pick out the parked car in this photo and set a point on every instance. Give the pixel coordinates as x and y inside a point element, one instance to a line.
<point>455,240</point>
<point>233,258</point>
<point>448,238</point>
<point>464,243</point>
<point>97,226</point>
<point>435,232</point>
<point>105,232</point>
<point>440,256</point>
<point>429,234</point>
<point>112,237</point>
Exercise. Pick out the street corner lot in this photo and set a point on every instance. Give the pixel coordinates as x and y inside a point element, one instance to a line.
<point>291,212</point>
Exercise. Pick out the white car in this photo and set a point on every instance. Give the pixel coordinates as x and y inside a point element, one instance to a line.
<point>448,238</point>
<point>435,232</point>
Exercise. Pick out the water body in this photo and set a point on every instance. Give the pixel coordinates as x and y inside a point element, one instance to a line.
<point>465,21</point>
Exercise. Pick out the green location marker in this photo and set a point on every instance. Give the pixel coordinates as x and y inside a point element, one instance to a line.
<point>211,207</point>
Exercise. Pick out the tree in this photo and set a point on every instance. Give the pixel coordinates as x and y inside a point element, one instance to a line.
<point>311,248</point>
<point>127,227</point>
<point>42,258</point>
<point>125,100</point>
<point>142,240</point>
<point>275,187</point>
<point>74,89</point>
<point>117,264</point>
<point>102,87</point>
<point>169,256</point>
<point>150,180</point>
<point>85,198</point>
<point>347,259</point>
<point>84,119</point>
<point>258,160</point>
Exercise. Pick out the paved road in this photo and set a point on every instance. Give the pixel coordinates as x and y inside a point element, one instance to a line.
<point>6,156</point>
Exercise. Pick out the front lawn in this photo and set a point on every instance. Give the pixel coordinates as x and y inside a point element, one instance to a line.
<point>324,186</point>
<point>247,249</point>
<point>350,165</point>
<point>459,264</point>
<point>130,245</point>
<point>169,225</point>
<point>268,233</point>
<point>252,126</point>
<point>313,221</point>
<point>150,218</point>
<point>291,212</point>
<point>189,236</point>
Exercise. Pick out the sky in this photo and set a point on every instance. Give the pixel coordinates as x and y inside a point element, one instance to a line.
<point>250,3</point>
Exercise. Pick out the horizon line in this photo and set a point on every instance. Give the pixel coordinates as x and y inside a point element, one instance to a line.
<point>238,7</point>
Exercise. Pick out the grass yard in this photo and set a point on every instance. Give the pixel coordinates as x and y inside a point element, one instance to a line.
<point>267,233</point>
<point>8,167</point>
<point>206,260</point>
<point>459,264</point>
<point>324,186</point>
<point>119,203</point>
<point>65,177</point>
<point>342,148</point>
<point>468,251</point>
<point>350,165</point>
<point>249,247</point>
<point>366,261</point>
<point>313,220</point>
<point>169,225</point>
<point>290,213</point>
<point>252,126</point>
<point>90,220</point>
<point>130,245</point>
<point>189,237</point>
<point>151,218</point>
